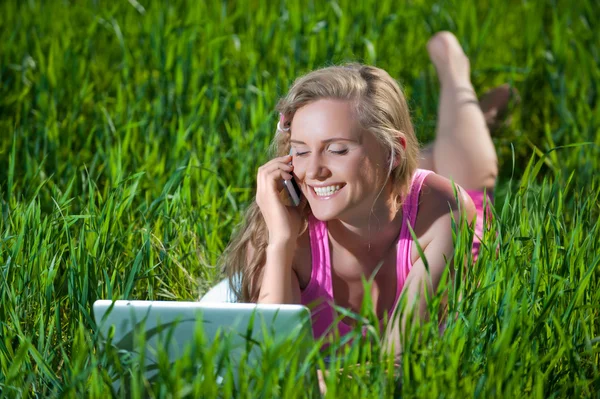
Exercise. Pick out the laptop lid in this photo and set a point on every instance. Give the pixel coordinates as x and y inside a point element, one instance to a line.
<point>242,330</point>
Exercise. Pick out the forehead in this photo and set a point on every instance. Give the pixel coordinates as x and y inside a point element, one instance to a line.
<point>325,119</point>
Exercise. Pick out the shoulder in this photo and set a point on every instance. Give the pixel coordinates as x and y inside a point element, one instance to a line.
<point>440,192</point>
<point>441,200</point>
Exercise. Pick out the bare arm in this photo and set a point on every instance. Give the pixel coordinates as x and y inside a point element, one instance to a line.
<point>434,229</point>
<point>277,280</point>
<point>279,283</point>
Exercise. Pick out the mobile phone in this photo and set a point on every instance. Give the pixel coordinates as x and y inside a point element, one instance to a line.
<point>292,188</point>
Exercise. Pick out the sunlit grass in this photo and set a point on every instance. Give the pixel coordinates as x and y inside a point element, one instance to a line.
<point>130,135</point>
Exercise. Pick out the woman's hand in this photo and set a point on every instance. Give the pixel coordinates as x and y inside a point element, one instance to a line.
<point>283,221</point>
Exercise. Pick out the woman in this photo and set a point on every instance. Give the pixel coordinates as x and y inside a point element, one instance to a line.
<point>356,160</point>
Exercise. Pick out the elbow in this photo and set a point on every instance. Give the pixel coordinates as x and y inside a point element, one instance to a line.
<point>490,175</point>
<point>467,206</point>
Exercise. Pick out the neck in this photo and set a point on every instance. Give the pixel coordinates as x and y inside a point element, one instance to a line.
<point>371,235</point>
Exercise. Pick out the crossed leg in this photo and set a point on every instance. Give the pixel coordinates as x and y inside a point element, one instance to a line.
<point>463,149</point>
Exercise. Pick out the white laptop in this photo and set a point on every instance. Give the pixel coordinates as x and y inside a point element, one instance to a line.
<point>172,328</point>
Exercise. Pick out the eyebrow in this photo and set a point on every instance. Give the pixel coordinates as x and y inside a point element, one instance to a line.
<point>326,141</point>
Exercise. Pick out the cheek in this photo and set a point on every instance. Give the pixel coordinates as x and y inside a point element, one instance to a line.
<point>299,169</point>
<point>364,169</point>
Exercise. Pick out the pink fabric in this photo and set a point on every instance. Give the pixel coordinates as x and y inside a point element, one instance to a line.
<point>318,294</point>
<point>479,198</point>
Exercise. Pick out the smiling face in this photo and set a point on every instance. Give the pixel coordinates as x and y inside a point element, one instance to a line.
<point>339,165</point>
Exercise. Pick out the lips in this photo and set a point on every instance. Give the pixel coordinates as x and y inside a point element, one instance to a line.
<point>326,192</point>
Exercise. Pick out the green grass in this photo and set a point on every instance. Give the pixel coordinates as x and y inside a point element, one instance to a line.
<point>130,135</point>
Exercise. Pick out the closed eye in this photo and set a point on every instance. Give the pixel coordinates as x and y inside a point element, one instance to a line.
<point>341,152</point>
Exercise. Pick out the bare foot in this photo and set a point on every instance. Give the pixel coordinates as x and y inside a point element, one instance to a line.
<point>454,71</point>
<point>496,105</point>
<point>450,61</point>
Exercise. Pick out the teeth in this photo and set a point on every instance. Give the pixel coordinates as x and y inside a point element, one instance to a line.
<point>325,191</point>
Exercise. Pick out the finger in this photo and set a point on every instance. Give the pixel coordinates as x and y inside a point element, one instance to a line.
<point>280,166</point>
<point>278,175</point>
<point>270,168</point>
<point>284,159</point>
<point>278,171</point>
<point>273,179</point>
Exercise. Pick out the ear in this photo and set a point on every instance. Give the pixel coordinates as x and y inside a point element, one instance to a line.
<point>402,141</point>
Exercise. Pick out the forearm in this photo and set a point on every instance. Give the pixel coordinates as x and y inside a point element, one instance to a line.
<point>278,275</point>
<point>397,326</point>
<point>419,286</point>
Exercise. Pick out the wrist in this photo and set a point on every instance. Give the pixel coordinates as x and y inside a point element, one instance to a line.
<point>281,245</point>
<point>280,255</point>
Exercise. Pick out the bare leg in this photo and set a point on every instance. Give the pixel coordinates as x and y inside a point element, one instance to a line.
<point>463,149</point>
<point>495,106</point>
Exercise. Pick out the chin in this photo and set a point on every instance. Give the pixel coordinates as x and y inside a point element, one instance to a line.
<point>329,209</point>
<point>324,215</point>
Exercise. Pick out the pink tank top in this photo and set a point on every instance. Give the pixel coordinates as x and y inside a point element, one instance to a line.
<point>318,294</point>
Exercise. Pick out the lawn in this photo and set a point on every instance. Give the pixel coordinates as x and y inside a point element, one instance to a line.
<point>130,136</point>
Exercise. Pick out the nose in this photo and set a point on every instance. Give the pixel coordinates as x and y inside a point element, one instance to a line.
<point>316,168</point>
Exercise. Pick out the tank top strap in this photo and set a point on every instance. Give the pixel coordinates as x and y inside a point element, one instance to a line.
<point>410,207</point>
<point>320,275</point>
<point>319,291</point>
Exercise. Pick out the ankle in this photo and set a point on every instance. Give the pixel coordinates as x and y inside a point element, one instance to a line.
<point>459,88</point>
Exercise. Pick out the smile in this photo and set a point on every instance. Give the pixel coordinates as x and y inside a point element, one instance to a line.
<point>326,192</point>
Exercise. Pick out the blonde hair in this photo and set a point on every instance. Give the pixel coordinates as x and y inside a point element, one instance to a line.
<point>381,109</point>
